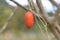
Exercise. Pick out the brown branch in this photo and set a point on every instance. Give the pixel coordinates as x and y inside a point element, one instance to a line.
<point>36,9</point>
<point>27,9</point>
<point>24,7</point>
<point>43,13</point>
<point>31,4</point>
<point>56,14</point>
<point>19,5</point>
<point>54,30</point>
<point>41,8</point>
<point>54,3</point>
<point>58,8</point>
<point>7,22</point>
<point>52,26</point>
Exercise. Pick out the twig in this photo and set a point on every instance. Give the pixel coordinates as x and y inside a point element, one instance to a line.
<point>43,13</point>
<point>54,3</point>
<point>52,25</point>
<point>58,9</point>
<point>56,14</point>
<point>31,4</point>
<point>19,5</point>
<point>27,9</point>
<point>7,22</point>
<point>24,7</point>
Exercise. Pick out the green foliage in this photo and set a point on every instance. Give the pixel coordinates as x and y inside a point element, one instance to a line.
<point>4,13</point>
<point>50,13</point>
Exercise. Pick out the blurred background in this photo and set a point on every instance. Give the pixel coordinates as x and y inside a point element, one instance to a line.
<point>16,29</point>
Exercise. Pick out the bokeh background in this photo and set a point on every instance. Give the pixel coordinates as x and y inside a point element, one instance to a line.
<point>16,29</point>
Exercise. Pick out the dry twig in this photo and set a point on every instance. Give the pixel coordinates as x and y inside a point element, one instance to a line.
<point>8,20</point>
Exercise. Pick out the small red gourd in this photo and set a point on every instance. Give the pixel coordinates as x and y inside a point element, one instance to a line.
<point>29,19</point>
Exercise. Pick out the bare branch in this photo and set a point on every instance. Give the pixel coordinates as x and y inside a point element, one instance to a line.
<point>31,4</point>
<point>54,20</point>
<point>56,14</point>
<point>24,7</point>
<point>43,13</point>
<point>58,9</point>
<point>7,22</point>
<point>19,5</point>
<point>54,3</point>
<point>55,31</point>
<point>27,9</point>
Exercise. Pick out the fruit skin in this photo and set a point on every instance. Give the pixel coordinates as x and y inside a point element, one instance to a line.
<point>29,19</point>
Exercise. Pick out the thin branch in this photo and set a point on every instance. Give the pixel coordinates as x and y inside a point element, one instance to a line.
<point>27,9</point>
<point>54,30</point>
<point>56,14</point>
<point>52,26</point>
<point>58,9</point>
<point>43,13</point>
<point>33,7</point>
<point>7,22</point>
<point>24,7</point>
<point>19,5</point>
<point>58,27</point>
<point>31,4</point>
<point>54,3</point>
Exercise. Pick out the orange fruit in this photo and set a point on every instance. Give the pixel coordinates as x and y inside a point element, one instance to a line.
<point>29,19</point>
